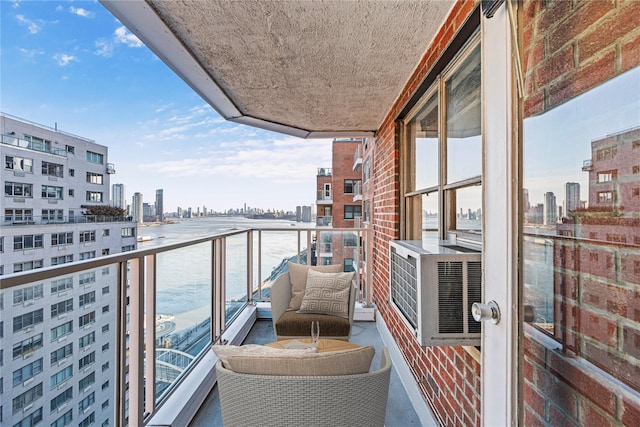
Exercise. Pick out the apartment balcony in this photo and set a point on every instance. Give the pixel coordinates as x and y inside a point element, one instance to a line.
<point>14,141</point>
<point>324,221</point>
<point>324,197</point>
<point>357,158</point>
<point>148,314</point>
<point>29,220</point>
<point>324,172</point>
<point>111,168</point>
<point>587,165</point>
<point>357,192</point>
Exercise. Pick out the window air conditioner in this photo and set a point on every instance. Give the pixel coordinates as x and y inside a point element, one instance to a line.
<point>433,286</point>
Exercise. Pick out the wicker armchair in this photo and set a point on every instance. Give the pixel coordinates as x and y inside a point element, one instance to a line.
<point>295,325</point>
<point>341,400</point>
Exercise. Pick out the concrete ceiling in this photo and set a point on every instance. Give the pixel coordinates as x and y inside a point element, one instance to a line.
<point>307,68</point>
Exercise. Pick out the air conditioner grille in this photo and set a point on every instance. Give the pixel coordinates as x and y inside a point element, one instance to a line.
<point>451,317</point>
<point>474,293</point>
<point>404,286</point>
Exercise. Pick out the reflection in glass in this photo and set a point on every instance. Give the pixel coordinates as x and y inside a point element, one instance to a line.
<point>236,275</point>
<point>467,204</point>
<point>425,156</point>
<point>464,142</point>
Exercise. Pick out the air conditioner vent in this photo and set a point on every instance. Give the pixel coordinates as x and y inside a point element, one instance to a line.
<point>433,288</point>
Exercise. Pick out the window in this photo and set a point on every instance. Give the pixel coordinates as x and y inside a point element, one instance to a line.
<point>52,169</point>
<point>88,420</point>
<point>61,285</point>
<point>52,215</point>
<point>94,178</point>
<point>64,420</point>
<point>86,340</point>
<point>87,236</point>
<point>61,376</point>
<point>350,185</point>
<point>366,169</point>
<point>51,192</point>
<point>18,164</point>
<point>128,232</point>
<point>27,371</point>
<point>62,259</point>
<point>105,309</point>
<point>105,232</point>
<point>61,330</point>
<point>87,381</point>
<point>605,196</point>
<point>94,196</point>
<point>105,385</point>
<point>87,298</point>
<point>72,172</point>
<point>61,353</point>
<point>349,265</point>
<point>27,320</point>
<point>70,149</point>
<point>607,176</point>
<point>94,157</point>
<point>27,346</point>
<point>72,192</point>
<point>87,319</point>
<point>366,210</point>
<point>30,241</point>
<point>105,328</point>
<point>58,239</point>
<point>352,211</point>
<point>87,278</point>
<point>26,398</point>
<point>61,307</point>
<point>105,290</point>
<point>105,366</point>
<point>105,404</point>
<point>87,255</point>
<point>30,420</point>
<point>61,399</point>
<point>105,271</point>
<point>105,252</point>
<point>27,265</point>
<point>28,294</point>
<point>18,189</point>
<point>87,401</point>
<point>440,198</point>
<point>38,144</point>
<point>87,360</point>
<point>18,216</point>
<point>105,347</point>
<point>128,248</point>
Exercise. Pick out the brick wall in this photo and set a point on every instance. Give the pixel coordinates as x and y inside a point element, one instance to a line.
<point>449,377</point>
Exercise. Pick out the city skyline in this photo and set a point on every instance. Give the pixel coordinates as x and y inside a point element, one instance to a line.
<point>89,76</point>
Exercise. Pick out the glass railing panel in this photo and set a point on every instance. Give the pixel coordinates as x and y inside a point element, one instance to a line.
<point>59,347</point>
<point>183,311</point>
<point>236,274</point>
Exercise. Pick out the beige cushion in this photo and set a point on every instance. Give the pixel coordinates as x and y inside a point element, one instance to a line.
<point>327,293</point>
<point>345,362</point>
<point>225,351</point>
<point>298,278</point>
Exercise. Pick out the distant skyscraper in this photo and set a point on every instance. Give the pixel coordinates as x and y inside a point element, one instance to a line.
<point>525,201</point>
<point>550,209</point>
<point>159,206</point>
<point>136,208</point>
<point>571,197</point>
<point>118,196</point>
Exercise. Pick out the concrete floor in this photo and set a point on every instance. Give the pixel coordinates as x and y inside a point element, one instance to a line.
<point>400,412</point>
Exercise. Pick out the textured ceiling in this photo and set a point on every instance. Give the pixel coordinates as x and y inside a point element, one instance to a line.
<point>309,68</point>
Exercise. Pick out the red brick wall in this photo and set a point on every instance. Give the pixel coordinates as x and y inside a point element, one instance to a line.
<point>342,164</point>
<point>449,377</point>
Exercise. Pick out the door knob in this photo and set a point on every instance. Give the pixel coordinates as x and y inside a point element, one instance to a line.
<point>488,311</point>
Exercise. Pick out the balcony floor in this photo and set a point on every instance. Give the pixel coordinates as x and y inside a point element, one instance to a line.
<point>400,412</point>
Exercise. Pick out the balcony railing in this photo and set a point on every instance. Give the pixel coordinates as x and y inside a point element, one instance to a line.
<point>22,220</point>
<point>323,221</point>
<point>149,315</point>
<point>325,197</point>
<point>29,145</point>
<point>324,172</point>
<point>357,158</point>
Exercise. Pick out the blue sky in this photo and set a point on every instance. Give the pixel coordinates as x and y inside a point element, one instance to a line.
<point>72,64</point>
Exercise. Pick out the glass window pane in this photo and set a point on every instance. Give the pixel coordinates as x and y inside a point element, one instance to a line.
<point>467,202</point>
<point>425,149</point>
<point>464,142</point>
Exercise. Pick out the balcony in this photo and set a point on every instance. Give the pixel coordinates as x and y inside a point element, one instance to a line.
<point>357,158</point>
<point>323,221</point>
<point>111,168</point>
<point>29,220</point>
<point>175,288</point>
<point>357,191</point>
<point>324,172</point>
<point>325,197</point>
<point>587,165</point>
<point>14,141</point>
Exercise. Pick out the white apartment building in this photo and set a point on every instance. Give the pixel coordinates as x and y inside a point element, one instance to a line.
<point>57,336</point>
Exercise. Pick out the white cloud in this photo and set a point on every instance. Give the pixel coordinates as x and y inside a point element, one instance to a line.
<point>104,48</point>
<point>64,59</point>
<point>122,35</point>
<point>33,26</point>
<point>81,12</point>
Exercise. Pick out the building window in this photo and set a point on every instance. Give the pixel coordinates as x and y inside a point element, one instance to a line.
<point>62,330</point>
<point>64,420</point>
<point>52,169</point>
<point>30,420</point>
<point>70,149</point>
<point>87,236</point>
<point>105,347</point>
<point>607,176</point>
<point>105,232</point>
<point>18,189</point>
<point>18,216</point>
<point>29,241</point>
<point>61,399</point>
<point>26,398</point>
<point>95,157</point>
<point>105,328</point>
<point>61,376</point>
<point>87,278</point>
<point>72,172</point>
<point>94,196</point>
<point>28,294</point>
<point>52,215</point>
<point>94,178</point>
<point>87,381</point>
<point>349,265</point>
<point>88,420</point>
<point>605,196</point>
<point>88,298</point>
<point>105,252</point>
<point>27,346</point>
<point>61,353</point>
<point>27,320</point>
<point>128,248</point>
<point>105,271</point>
<point>350,185</point>
<point>61,285</point>
<point>62,259</point>
<point>105,366</point>
<point>128,232</point>
<point>58,239</point>
<point>87,340</point>
<point>51,192</point>
<point>87,255</point>
<point>105,309</point>
<point>352,211</point>
<point>62,307</point>
<point>366,170</point>
<point>72,192</point>
<point>87,360</point>
<point>27,265</point>
<point>87,401</point>
<point>87,319</point>
<point>27,371</point>
<point>18,164</point>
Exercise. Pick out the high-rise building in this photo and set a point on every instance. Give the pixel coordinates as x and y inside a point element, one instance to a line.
<point>550,209</point>
<point>136,208</point>
<point>159,205</point>
<point>118,196</point>
<point>571,197</point>
<point>56,190</point>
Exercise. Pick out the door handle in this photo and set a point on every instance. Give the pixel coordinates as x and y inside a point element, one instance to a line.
<point>488,311</point>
